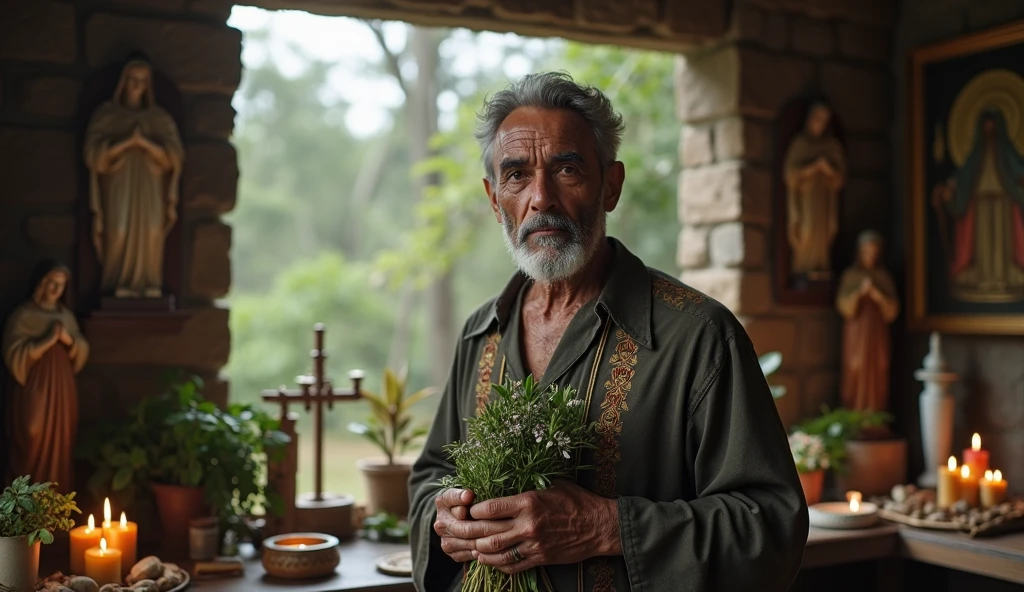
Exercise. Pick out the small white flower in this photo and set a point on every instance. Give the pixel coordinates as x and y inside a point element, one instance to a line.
<point>565,453</point>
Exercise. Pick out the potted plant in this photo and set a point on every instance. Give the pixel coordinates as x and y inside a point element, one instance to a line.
<point>390,429</point>
<point>811,456</point>
<point>29,513</point>
<point>859,463</point>
<point>196,458</point>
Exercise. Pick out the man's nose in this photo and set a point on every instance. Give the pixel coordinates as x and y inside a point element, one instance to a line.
<point>542,193</point>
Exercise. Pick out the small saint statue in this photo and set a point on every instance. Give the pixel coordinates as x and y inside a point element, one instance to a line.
<point>867,302</point>
<point>815,172</point>
<point>43,351</point>
<point>134,154</point>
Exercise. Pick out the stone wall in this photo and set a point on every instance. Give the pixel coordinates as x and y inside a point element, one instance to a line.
<point>49,49</point>
<point>728,97</point>
<point>990,398</point>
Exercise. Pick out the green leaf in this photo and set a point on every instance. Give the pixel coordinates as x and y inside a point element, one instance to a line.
<point>122,478</point>
<point>45,536</point>
<point>770,362</point>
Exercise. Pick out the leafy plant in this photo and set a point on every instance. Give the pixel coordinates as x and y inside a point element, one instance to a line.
<point>770,362</point>
<point>179,438</point>
<point>389,428</point>
<point>35,510</point>
<point>386,528</point>
<point>809,452</point>
<point>837,426</point>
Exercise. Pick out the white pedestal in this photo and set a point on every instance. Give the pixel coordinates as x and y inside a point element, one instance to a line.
<point>936,434</point>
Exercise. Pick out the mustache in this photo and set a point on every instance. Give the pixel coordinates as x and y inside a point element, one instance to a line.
<point>546,221</point>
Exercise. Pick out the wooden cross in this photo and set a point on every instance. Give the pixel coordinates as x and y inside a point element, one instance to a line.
<point>316,391</point>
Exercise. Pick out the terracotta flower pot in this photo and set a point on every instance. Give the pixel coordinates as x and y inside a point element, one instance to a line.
<point>19,564</point>
<point>874,466</point>
<point>387,486</point>
<point>178,506</point>
<point>812,484</point>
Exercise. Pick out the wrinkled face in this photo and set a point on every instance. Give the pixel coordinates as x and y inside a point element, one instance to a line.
<point>818,120</point>
<point>869,253</point>
<point>51,288</point>
<point>550,193</point>
<point>136,82</point>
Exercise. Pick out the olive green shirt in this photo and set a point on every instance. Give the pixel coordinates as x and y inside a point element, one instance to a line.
<point>689,441</point>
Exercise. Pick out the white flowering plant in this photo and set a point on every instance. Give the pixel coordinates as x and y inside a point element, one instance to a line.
<point>523,440</point>
<point>809,452</point>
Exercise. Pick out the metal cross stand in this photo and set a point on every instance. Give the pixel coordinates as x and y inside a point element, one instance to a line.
<point>318,511</point>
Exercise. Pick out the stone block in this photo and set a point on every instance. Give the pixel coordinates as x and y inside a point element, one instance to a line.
<point>865,42</point>
<point>210,260</point>
<point>199,58</point>
<point>51,230</point>
<point>868,156</point>
<point>811,36</point>
<point>209,116</point>
<point>742,138</point>
<point>50,96</point>
<point>550,13</point>
<point>40,166</point>
<point>203,343</point>
<point>775,30</point>
<point>695,19</point>
<point>695,145</point>
<point>210,178</point>
<point>707,84</point>
<point>865,203</point>
<point>820,388</point>
<point>747,22</point>
<point>693,247</point>
<point>768,81</point>
<point>742,292</point>
<point>861,95</point>
<point>773,334</point>
<point>104,388</point>
<point>735,244</point>
<point>724,192</point>
<point>819,342</point>
<point>789,406</point>
<point>38,31</point>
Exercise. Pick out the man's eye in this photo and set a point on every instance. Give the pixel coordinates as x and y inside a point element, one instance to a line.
<point>515,175</point>
<point>569,169</point>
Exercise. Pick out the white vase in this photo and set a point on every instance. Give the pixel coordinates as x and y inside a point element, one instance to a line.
<point>19,564</point>
<point>936,410</point>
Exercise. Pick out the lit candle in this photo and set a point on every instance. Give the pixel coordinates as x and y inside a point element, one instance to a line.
<point>976,457</point>
<point>103,565</point>
<point>83,538</point>
<point>948,484</point>
<point>124,537</point>
<point>854,497</point>
<point>968,486</point>
<point>993,489</point>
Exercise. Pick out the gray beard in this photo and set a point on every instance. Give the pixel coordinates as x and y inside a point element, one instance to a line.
<point>554,258</point>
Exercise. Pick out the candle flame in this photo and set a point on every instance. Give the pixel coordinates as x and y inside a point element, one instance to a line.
<point>854,497</point>
<point>975,442</point>
<point>124,520</point>
<point>997,475</point>
<point>988,475</point>
<point>952,463</point>
<point>106,512</point>
<point>965,471</point>
<point>92,524</point>
<point>855,505</point>
<point>103,545</point>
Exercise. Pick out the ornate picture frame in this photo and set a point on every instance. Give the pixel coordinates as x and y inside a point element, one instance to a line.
<point>965,212</point>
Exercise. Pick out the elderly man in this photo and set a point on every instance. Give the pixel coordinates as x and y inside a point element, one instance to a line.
<point>694,486</point>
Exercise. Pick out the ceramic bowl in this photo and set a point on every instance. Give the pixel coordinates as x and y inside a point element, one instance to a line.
<point>839,515</point>
<point>301,555</point>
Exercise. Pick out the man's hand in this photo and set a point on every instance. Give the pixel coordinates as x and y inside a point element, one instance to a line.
<point>453,509</point>
<point>563,524</point>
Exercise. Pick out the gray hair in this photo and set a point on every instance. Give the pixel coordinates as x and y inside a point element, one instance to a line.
<point>551,90</point>
<point>869,236</point>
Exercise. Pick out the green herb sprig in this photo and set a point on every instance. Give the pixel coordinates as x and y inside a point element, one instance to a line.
<point>35,510</point>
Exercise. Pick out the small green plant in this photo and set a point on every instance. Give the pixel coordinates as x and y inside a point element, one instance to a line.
<point>389,428</point>
<point>837,426</point>
<point>770,362</point>
<point>385,528</point>
<point>35,510</point>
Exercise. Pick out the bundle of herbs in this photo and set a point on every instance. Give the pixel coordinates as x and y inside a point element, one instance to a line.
<point>523,440</point>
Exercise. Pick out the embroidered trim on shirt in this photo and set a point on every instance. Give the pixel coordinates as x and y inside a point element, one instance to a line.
<point>484,369</point>
<point>604,576</point>
<point>673,294</point>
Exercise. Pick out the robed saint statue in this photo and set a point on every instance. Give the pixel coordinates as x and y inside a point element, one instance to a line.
<point>43,350</point>
<point>134,154</point>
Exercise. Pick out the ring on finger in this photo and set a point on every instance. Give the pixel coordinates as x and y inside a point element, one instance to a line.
<point>515,553</point>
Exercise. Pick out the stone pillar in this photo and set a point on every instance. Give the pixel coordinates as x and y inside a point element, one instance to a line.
<point>727,98</point>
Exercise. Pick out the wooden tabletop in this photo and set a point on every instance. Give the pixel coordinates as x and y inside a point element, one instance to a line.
<point>1000,557</point>
<point>835,547</point>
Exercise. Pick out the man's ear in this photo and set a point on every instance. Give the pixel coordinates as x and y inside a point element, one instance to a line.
<point>493,198</point>
<point>614,177</point>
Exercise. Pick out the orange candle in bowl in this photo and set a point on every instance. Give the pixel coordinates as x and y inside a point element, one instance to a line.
<point>83,538</point>
<point>976,457</point>
<point>992,489</point>
<point>124,537</point>
<point>968,486</point>
<point>103,565</point>
<point>948,484</point>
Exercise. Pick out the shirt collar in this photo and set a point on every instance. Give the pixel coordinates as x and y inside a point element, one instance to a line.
<point>626,298</point>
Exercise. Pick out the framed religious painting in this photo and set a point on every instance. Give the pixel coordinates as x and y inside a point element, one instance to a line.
<point>966,199</point>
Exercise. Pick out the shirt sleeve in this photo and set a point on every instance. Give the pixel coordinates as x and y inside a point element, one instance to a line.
<point>747,526</point>
<point>433,569</point>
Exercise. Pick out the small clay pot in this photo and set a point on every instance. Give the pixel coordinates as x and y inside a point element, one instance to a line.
<point>812,483</point>
<point>19,563</point>
<point>387,486</point>
<point>301,555</point>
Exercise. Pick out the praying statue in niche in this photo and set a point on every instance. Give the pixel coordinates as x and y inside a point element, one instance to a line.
<point>43,350</point>
<point>815,172</point>
<point>134,154</point>
<point>867,302</point>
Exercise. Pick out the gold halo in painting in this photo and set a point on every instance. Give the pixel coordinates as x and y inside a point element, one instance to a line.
<point>1001,89</point>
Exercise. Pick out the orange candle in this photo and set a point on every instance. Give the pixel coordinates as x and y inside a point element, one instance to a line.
<point>948,485</point>
<point>976,457</point>
<point>103,565</point>
<point>968,486</point>
<point>83,538</point>
<point>992,489</point>
<point>124,537</point>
